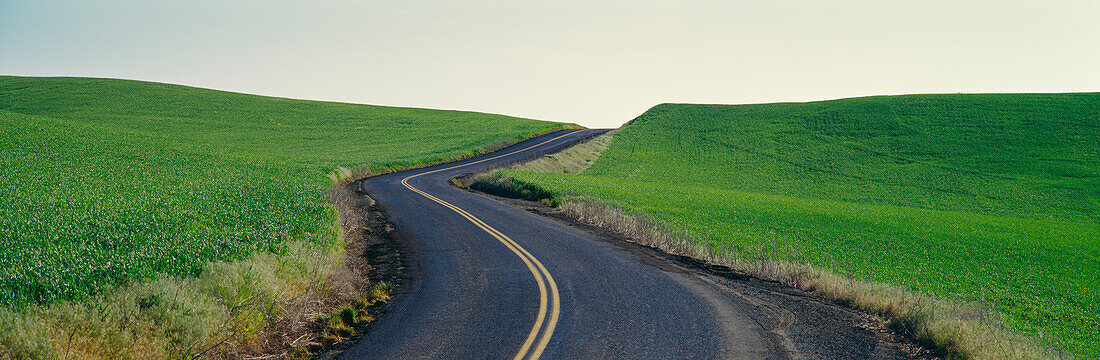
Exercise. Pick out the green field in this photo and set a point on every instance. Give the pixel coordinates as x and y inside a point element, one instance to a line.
<point>110,181</point>
<point>987,198</point>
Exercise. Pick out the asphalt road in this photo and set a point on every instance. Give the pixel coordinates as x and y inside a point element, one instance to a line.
<point>486,280</point>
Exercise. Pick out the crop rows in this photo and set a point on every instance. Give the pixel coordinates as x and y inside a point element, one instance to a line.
<point>109,182</point>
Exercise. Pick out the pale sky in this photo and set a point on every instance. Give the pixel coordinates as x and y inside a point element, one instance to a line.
<point>597,63</point>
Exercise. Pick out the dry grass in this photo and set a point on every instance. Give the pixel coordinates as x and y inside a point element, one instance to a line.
<point>265,304</point>
<point>572,160</point>
<point>220,314</point>
<point>957,331</point>
<point>963,331</point>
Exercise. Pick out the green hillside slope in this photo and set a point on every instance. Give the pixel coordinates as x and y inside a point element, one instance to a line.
<point>990,198</point>
<point>110,181</point>
<point>1032,156</point>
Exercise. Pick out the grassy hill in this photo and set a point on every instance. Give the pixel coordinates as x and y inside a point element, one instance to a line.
<point>111,181</point>
<point>987,198</point>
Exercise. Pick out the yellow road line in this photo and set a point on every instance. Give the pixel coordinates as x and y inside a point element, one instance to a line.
<point>541,275</point>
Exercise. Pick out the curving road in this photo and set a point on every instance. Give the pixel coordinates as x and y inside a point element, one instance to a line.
<point>486,280</point>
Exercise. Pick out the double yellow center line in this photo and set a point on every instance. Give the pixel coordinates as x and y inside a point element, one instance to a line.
<point>548,290</point>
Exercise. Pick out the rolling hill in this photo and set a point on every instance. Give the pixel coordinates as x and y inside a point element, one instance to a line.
<point>108,181</point>
<point>987,198</point>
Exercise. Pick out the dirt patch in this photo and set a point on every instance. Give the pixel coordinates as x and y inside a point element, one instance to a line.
<point>812,326</point>
<point>371,257</point>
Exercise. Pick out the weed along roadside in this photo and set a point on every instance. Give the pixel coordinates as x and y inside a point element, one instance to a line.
<point>372,268</point>
<point>164,221</point>
<point>659,181</point>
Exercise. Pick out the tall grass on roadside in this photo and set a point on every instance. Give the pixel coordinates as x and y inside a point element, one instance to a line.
<point>951,328</point>
<point>572,160</point>
<point>225,309</point>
